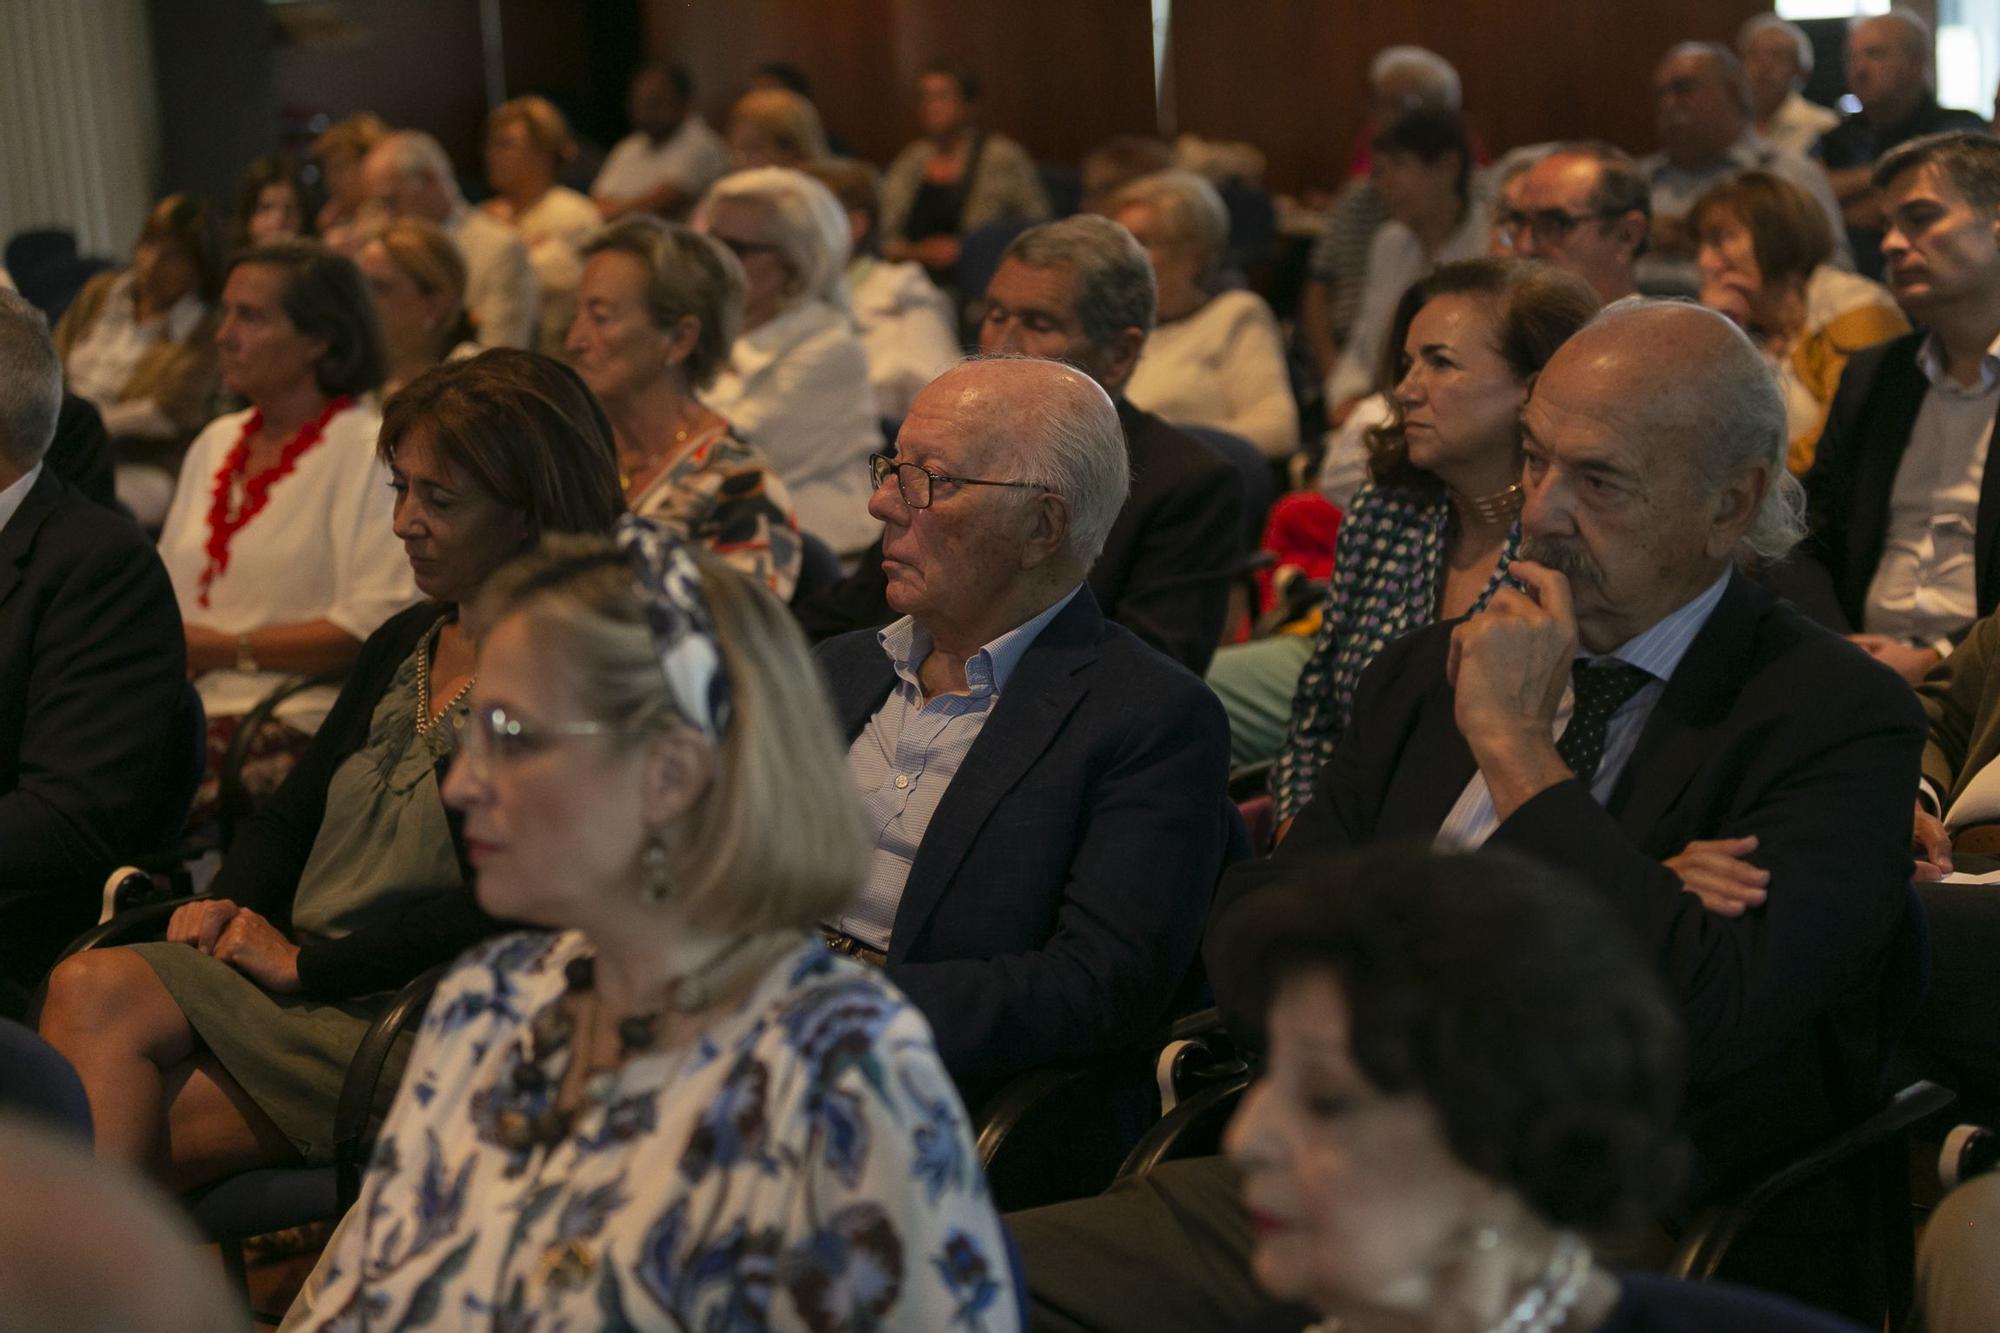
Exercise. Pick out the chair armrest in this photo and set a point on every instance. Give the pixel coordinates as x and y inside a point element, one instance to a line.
<point>1708,1240</point>
<point>1211,1107</point>
<point>355,1108</point>
<point>132,926</point>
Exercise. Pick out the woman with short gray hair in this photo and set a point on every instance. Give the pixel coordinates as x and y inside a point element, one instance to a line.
<point>1216,357</point>
<point>797,381</point>
<point>657,309</point>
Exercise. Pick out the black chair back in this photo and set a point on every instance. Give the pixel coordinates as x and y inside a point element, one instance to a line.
<point>819,568</point>
<point>1260,483</point>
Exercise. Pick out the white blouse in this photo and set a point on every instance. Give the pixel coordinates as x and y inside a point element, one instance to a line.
<point>906,328</point>
<point>321,549</point>
<point>797,388</point>
<point>1222,366</point>
<point>552,230</point>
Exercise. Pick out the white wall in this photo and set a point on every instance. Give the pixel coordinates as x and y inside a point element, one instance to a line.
<point>78,129</point>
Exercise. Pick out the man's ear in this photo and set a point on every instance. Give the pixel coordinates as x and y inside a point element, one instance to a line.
<point>1118,358</point>
<point>680,765</point>
<point>1735,509</point>
<point>1632,232</point>
<point>1047,537</point>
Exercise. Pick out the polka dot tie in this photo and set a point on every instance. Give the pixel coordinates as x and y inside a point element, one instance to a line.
<point>1600,689</point>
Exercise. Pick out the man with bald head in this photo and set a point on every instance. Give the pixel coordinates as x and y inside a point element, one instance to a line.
<point>1889,73</point>
<point>1046,793</point>
<point>1731,779</point>
<point>1585,208</point>
<point>1702,109</point>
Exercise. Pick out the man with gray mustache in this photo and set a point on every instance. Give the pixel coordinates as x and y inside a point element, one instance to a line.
<point>1733,780</point>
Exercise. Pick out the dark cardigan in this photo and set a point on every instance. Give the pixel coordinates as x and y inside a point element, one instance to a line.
<point>262,868</point>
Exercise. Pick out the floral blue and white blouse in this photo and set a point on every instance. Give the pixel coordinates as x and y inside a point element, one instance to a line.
<point>807,1165</point>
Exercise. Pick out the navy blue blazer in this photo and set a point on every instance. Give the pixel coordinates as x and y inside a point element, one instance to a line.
<point>1057,903</point>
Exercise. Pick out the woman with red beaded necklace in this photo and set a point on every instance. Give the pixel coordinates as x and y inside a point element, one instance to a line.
<point>279,539</point>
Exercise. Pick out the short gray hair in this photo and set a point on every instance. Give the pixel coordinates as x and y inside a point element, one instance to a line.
<point>1115,283</point>
<point>1188,207</point>
<point>1069,440</point>
<point>808,228</point>
<point>31,381</point>
<point>1732,408</point>
<point>1727,68</point>
<point>1916,32</point>
<point>1760,24</point>
<point>686,274</point>
<point>1435,76</point>
<point>415,153</point>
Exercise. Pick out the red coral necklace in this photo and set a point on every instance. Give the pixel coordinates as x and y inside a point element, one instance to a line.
<point>223,525</point>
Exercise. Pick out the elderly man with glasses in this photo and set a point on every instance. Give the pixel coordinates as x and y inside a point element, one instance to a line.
<point>1046,793</point>
<point>1585,208</point>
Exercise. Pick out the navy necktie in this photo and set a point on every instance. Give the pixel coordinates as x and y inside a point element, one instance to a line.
<point>1599,689</point>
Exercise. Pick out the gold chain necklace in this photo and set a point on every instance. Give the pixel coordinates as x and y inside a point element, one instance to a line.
<point>1499,507</point>
<point>425,719</point>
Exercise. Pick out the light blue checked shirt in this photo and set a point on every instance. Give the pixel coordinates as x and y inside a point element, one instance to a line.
<point>907,755</point>
<point>1657,651</point>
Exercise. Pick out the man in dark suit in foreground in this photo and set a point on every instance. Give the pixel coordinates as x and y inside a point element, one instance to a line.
<point>1731,779</point>
<point>97,741</point>
<point>1047,794</point>
<point>1081,290</point>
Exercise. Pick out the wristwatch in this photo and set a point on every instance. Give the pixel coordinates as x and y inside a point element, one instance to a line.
<point>246,661</point>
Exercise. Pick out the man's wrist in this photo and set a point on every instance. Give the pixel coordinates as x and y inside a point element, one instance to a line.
<point>1518,764</point>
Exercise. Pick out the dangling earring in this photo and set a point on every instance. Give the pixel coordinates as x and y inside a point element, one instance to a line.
<point>656,882</point>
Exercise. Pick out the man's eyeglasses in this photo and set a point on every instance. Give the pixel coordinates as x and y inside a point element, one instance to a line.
<point>918,485</point>
<point>491,735</point>
<point>1549,226</point>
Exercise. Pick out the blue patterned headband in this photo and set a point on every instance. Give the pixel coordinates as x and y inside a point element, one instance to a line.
<point>678,614</point>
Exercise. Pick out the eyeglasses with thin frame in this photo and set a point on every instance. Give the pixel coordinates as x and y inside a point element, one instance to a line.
<point>918,485</point>
<point>489,736</point>
<point>1549,226</point>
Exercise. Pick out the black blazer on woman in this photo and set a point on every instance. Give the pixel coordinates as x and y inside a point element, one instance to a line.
<point>262,868</point>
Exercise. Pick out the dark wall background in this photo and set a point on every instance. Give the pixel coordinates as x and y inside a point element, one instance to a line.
<point>237,79</point>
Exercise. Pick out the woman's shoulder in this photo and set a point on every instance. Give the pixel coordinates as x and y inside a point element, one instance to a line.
<point>830,1007</point>
<point>1832,292</point>
<point>1650,1303</point>
<point>504,975</point>
<point>1238,309</point>
<point>890,288</point>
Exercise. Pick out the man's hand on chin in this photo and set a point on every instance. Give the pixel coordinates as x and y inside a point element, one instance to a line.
<point>1508,668</point>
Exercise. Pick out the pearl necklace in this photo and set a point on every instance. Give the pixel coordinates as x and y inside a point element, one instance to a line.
<point>425,718</point>
<point>1545,1306</point>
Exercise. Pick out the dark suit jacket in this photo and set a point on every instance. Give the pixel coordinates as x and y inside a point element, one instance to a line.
<point>1770,726</point>
<point>81,452</point>
<point>1056,904</point>
<point>1847,491</point>
<point>97,756</point>
<point>1163,573</point>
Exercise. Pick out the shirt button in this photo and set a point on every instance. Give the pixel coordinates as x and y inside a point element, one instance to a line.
<point>902,781</point>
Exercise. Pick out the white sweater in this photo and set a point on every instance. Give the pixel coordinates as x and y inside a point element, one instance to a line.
<point>1222,366</point>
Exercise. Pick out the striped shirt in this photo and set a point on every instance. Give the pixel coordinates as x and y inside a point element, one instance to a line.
<point>1658,650</point>
<point>906,756</point>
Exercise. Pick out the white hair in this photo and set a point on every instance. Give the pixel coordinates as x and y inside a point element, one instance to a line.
<point>808,228</point>
<point>1763,23</point>
<point>31,381</point>
<point>1435,75</point>
<point>415,153</point>
<point>1068,439</point>
<point>1188,207</point>
<point>1916,31</point>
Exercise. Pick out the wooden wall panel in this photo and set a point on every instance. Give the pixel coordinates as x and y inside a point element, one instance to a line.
<point>1059,74</point>
<point>1293,81</point>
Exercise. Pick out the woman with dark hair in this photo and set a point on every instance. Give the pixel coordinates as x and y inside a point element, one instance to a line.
<point>273,204</point>
<point>1423,172</point>
<point>656,315</point>
<point>139,344</point>
<point>224,1046</point>
<point>1765,254</point>
<point>278,537</point>
<point>1430,537</point>
<point>1472,1067</point>
<point>959,176</point>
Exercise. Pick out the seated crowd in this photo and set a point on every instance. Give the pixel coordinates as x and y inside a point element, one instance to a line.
<point>795,670</point>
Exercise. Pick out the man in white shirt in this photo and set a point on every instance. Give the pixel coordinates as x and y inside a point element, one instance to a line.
<point>410,175</point>
<point>1777,60</point>
<point>1703,111</point>
<point>1904,520</point>
<point>670,156</point>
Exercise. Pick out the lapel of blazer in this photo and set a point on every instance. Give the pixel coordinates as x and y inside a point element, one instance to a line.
<point>1702,690</point>
<point>1044,689</point>
<point>1986,551</point>
<point>1898,397</point>
<point>1420,796</point>
<point>18,537</point>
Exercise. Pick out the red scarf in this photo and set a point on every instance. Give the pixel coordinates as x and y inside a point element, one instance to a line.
<point>222,525</point>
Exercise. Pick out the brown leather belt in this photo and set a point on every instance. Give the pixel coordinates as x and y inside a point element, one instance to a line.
<point>853,948</point>
<point>1977,840</point>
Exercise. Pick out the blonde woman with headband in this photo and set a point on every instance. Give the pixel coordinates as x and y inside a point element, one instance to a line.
<point>671,1106</point>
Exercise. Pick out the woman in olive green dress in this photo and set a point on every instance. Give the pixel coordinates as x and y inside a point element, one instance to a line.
<point>223,1047</point>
